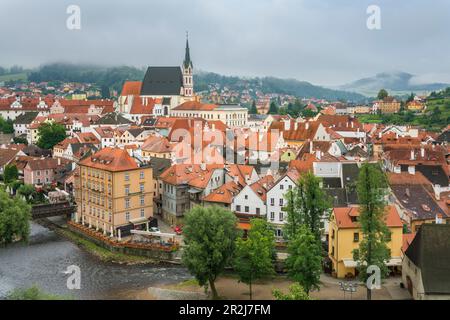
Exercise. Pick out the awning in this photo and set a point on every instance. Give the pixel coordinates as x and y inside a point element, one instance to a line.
<point>139,220</point>
<point>349,263</point>
<point>244,225</point>
<point>193,190</point>
<point>394,262</point>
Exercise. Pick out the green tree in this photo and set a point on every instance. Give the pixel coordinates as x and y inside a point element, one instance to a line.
<point>273,109</point>
<point>20,140</point>
<point>372,249</point>
<point>209,235</point>
<point>296,292</point>
<point>32,293</point>
<point>105,92</point>
<point>304,263</point>
<point>382,94</point>
<point>14,219</point>
<point>10,173</point>
<point>253,109</point>
<point>27,190</point>
<point>307,204</point>
<point>254,255</point>
<point>50,134</point>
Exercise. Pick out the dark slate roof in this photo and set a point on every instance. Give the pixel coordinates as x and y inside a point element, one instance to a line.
<point>113,118</point>
<point>160,81</point>
<point>76,147</point>
<point>26,118</point>
<point>444,137</point>
<point>337,196</point>
<point>166,101</point>
<point>34,151</point>
<point>331,182</point>
<point>435,174</point>
<point>430,251</point>
<point>357,152</point>
<point>135,131</point>
<point>159,165</point>
<point>417,200</point>
<point>149,122</point>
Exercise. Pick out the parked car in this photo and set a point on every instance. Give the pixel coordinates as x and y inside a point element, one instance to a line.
<point>155,229</point>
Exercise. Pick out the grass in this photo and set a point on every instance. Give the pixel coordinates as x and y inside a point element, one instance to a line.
<point>102,253</point>
<point>34,293</point>
<point>14,77</point>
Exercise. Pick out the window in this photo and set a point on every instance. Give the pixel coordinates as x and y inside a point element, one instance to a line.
<point>281,202</point>
<point>246,197</point>
<point>127,176</point>
<point>247,209</point>
<point>127,190</point>
<point>142,175</point>
<point>356,237</point>
<point>142,200</point>
<point>142,213</point>
<point>127,203</point>
<point>258,211</point>
<point>127,216</point>
<point>281,186</point>
<point>238,208</point>
<point>279,233</point>
<point>281,215</point>
<point>141,187</point>
<point>272,201</point>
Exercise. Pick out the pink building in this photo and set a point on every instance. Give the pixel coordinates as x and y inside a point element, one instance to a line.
<point>40,171</point>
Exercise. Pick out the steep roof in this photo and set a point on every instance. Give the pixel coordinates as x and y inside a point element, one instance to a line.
<point>26,118</point>
<point>131,88</point>
<point>162,81</point>
<point>224,194</point>
<point>191,174</point>
<point>157,145</point>
<point>110,159</point>
<point>159,165</point>
<point>195,105</point>
<point>344,216</point>
<point>113,118</point>
<point>430,251</point>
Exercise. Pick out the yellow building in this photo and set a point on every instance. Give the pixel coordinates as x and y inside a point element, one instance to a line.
<point>288,154</point>
<point>345,235</point>
<point>415,106</point>
<point>389,105</point>
<point>113,192</point>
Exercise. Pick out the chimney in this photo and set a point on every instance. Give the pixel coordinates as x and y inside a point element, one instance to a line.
<point>413,157</point>
<point>422,152</point>
<point>439,219</point>
<point>318,154</point>
<point>307,125</point>
<point>59,161</point>
<point>311,147</point>
<point>295,125</point>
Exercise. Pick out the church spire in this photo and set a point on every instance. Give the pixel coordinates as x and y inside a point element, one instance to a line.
<point>187,57</point>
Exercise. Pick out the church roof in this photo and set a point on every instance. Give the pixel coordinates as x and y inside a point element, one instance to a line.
<point>159,81</point>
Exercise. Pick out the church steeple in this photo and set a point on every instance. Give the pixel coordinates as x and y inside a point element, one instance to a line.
<point>188,71</point>
<point>187,56</point>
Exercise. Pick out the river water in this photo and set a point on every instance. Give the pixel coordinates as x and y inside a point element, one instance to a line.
<point>43,261</point>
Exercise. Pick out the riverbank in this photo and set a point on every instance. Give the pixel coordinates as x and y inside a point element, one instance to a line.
<point>229,288</point>
<point>92,248</point>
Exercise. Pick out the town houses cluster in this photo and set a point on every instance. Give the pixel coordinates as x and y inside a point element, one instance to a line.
<point>158,150</point>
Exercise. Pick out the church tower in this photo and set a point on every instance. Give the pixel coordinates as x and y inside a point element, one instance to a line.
<point>188,70</point>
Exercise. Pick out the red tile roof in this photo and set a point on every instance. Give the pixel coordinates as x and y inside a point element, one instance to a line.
<point>343,217</point>
<point>110,159</point>
<point>131,88</point>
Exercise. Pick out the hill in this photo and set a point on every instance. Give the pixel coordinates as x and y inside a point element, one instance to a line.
<point>397,83</point>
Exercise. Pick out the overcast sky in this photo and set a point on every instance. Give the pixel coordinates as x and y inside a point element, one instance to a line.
<point>321,41</point>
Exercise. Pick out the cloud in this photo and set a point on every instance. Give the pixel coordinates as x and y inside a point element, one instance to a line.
<point>322,41</point>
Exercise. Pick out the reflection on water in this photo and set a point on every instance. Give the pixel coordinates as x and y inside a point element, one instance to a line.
<point>43,261</point>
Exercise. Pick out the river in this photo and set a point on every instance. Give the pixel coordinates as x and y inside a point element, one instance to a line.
<point>44,259</point>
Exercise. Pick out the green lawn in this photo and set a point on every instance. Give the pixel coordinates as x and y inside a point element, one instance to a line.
<point>16,76</point>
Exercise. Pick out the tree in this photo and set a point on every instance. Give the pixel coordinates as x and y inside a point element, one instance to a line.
<point>382,94</point>
<point>20,140</point>
<point>10,173</point>
<point>105,92</point>
<point>296,292</point>
<point>27,190</point>
<point>32,293</point>
<point>273,109</point>
<point>304,262</point>
<point>254,255</point>
<point>50,134</point>
<point>209,235</point>
<point>307,204</point>
<point>253,109</point>
<point>14,219</point>
<point>372,249</point>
